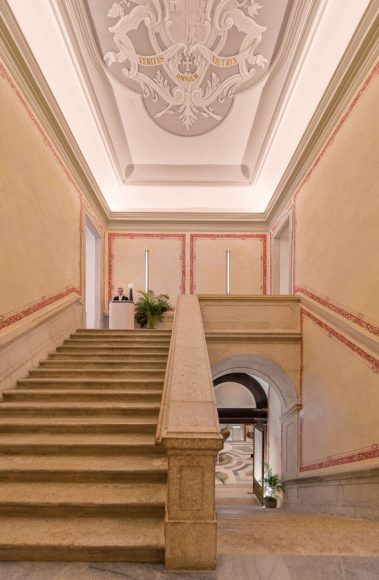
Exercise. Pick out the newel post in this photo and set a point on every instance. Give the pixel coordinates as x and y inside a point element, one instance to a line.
<point>190,527</point>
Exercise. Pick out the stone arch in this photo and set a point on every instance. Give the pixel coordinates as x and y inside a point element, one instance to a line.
<point>282,385</point>
<point>263,368</point>
<point>251,384</point>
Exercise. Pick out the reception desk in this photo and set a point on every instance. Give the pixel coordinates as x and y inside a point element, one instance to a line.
<point>121,315</point>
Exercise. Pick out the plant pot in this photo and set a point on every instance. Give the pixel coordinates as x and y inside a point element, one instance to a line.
<point>270,502</point>
<point>150,321</point>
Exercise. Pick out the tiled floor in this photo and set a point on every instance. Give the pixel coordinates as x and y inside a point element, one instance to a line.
<point>236,463</point>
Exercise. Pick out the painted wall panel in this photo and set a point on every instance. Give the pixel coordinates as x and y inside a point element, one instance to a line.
<point>40,239</point>
<point>337,214</point>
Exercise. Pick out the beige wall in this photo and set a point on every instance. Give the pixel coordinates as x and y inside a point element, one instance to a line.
<point>187,262</point>
<point>40,214</point>
<point>126,263</point>
<point>337,214</point>
<point>336,272</point>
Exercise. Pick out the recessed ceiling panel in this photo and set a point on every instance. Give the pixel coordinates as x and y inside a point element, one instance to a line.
<point>187,58</point>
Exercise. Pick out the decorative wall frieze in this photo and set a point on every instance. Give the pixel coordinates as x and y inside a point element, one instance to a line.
<point>368,358</point>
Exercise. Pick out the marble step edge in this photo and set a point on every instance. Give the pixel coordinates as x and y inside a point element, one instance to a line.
<point>106,371</point>
<point>82,539</point>
<point>90,381</point>
<point>78,449</point>
<point>99,364</point>
<point>43,409</point>
<point>77,393</point>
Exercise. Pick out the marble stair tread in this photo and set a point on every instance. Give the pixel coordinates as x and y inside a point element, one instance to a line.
<point>82,395</point>
<point>83,493</point>
<point>88,463</point>
<point>78,439</point>
<point>130,346</point>
<point>97,373</point>
<point>60,425</point>
<point>76,408</point>
<point>79,405</point>
<point>58,363</point>
<point>126,342</point>
<point>89,383</point>
<point>81,532</point>
<point>136,357</point>
<point>131,331</point>
<point>79,420</point>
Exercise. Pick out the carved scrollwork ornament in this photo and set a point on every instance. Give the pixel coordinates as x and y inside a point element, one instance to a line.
<point>188,58</point>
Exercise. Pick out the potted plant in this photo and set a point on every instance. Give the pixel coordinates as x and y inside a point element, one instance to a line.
<point>150,307</point>
<point>273,487</point>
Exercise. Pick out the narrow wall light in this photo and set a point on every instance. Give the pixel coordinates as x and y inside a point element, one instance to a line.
<point>228,272</point>
<point>146,270</point>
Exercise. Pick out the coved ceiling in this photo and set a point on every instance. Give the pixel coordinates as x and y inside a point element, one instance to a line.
<point>188,105</point>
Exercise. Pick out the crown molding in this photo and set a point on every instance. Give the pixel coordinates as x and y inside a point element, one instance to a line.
<point>356,63</point>
<point>23,67</point>
<point>187,221</point>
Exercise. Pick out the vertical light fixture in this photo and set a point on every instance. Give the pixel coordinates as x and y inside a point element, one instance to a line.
<point>146,270</point>
<point>228,272</point>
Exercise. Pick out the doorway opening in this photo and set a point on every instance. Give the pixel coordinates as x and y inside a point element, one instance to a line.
<point>263,397</point>
<point>282,259</point>
<point>92,277</point>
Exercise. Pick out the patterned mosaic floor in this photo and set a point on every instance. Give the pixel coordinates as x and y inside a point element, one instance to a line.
<point>235,464</point>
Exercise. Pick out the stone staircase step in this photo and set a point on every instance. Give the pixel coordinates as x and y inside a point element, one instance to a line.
<point>79,444</point>
<point>105,427</point>
<point>87,499</point>
<point>127,384</point>
<point>66,395</point>
<point>93,363</point>
<point>81,477</point>
<point>131,332</point>
<point>137,357</point>
<point>82,539</point>
<point>83,468</point>
<point>122,334</point>
<point>131,373</point>
<point>79,408</point>
<point>105,349</point>
<point>163,342</point>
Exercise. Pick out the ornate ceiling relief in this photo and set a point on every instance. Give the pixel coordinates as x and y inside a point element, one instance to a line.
<point>187,57</point>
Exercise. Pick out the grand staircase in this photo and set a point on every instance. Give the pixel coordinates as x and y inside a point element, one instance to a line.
<point>80,475</point>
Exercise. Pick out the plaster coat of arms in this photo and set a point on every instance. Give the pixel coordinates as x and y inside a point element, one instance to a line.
<point>187,57</point>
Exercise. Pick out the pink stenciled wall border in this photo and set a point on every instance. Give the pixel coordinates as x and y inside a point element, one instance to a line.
<point>261,237</point>
<point>11,318</point>
<point>343,310</point>
<point>180,237</point>
<point>350,315</point>
<point>352,456</point>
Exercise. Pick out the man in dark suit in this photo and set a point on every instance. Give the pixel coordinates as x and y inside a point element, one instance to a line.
<point>120,295</point>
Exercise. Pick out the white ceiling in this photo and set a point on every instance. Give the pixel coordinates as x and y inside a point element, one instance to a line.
<point>234,166</point>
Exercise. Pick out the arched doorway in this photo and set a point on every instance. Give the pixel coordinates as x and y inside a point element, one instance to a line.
<point>242,405</point>
<point>281,448</point>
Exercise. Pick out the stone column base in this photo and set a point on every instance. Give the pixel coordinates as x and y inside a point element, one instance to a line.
<point>191,545</point>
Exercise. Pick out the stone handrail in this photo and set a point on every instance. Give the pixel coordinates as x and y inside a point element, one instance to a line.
<point>188,429</point>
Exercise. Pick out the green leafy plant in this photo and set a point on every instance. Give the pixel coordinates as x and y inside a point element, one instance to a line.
<point>221,476</point>
<point>150,307</point>
<point>272,483</point>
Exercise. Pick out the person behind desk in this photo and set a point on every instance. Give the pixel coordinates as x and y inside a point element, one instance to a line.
<point>120,295</point>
